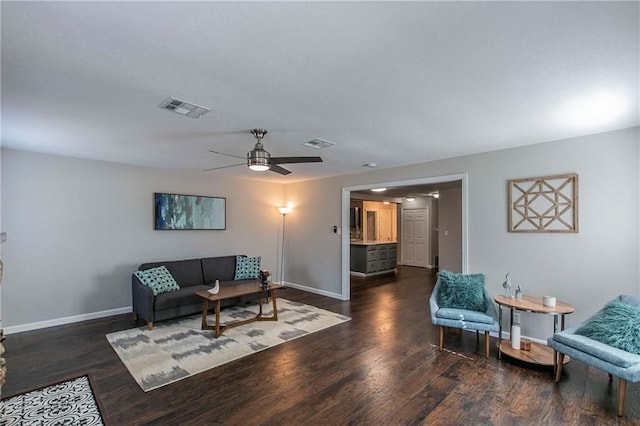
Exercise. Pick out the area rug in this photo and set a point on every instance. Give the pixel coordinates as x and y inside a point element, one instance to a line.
<point>177,349</point>
<point>66,403</point>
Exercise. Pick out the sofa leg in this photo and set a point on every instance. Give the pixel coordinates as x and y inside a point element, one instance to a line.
<point>135,316</point>
<point>610,377</point>
<point>441,336</point>
<point>560,362</point>
<point>477,336</point>
<point>622,388</point>
<point>486,344</point>
<point>150,325</point>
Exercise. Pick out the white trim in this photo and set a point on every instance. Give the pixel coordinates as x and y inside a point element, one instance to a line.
<point>308,289</point>
<point>66,320</point>
<point>346,195</point>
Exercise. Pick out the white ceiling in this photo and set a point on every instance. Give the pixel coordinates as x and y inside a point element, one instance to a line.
<point>391,83</point>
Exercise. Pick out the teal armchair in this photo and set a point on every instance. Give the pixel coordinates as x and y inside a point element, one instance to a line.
<point>486,321</point>
<point>622,364</point>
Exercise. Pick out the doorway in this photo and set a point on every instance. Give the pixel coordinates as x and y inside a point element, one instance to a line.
<point>459,180</point>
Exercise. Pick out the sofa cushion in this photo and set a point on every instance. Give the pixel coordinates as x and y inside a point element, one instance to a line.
<point>617,325</point>
<point>158,279</point>
<point>462,291</point>
<point>247,267</point>
<point>186,272</point>
<point>221,268</point>
<point>182,297</point>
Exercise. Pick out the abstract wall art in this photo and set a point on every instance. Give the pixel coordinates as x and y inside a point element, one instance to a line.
<point>189,212</point>
<point>544,204</point>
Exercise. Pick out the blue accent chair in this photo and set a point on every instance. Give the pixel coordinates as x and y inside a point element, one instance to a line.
<point>624,365</point>
<point>462,318</point>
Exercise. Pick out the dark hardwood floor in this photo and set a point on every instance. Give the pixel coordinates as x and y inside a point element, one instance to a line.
<point>382,367</point>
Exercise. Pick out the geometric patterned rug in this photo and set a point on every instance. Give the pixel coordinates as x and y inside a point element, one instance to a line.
<point>177,349</point>
<point>67,403</point>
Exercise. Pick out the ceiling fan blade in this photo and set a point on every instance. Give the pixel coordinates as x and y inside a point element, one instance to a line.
<point>291,160</point>
<point>225,167</point>
<point>278,169</point>
<point>228,155</point>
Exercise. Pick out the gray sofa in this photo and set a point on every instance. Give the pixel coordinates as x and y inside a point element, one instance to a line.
<point>191,275</point>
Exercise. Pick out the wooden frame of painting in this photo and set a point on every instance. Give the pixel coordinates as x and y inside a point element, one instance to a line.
<point>544,204</point>
<point>189,212</point>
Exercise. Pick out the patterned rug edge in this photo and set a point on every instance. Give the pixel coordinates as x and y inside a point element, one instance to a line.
<point>98,403</point>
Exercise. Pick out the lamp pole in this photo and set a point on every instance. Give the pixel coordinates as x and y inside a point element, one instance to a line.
<point>284,211</point>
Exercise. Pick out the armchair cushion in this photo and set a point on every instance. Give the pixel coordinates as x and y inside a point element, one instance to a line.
<point>616,325</point>
<point>462,291</point>
<point>464,315</point>
<point>575,343</point>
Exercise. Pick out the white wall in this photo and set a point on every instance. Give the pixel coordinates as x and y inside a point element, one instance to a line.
<point>585,269</point>
<point>78,229</point>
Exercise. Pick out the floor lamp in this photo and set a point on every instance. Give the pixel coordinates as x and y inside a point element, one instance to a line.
<point>284,211</point>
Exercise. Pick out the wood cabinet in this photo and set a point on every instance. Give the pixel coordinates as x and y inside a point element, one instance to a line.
<point>372,259</point>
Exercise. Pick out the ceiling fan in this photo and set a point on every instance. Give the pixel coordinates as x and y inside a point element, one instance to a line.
<point>259,160</point>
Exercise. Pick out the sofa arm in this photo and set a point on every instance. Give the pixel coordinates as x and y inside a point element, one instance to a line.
<point>142,299</point>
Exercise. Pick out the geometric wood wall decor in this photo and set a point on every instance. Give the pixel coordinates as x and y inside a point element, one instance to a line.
<point>544,204</point>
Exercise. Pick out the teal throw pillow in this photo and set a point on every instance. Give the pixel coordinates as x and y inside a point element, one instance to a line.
<point>616,325</point>
<point>462,291</point>
<point>159,279</point>
<point>247,267</point>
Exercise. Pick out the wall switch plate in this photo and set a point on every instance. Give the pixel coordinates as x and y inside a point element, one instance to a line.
<point>3,237</point>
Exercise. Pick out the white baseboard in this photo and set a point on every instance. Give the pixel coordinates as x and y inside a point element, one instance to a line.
<point>66,320</point>
<point>507,336</point>
<point>311,290</point>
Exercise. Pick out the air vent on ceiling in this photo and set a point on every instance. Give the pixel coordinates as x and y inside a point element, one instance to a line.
<point>318,143</point>
<point>184,108</point>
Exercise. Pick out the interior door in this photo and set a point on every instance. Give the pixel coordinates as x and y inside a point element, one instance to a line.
<point>415,237</point>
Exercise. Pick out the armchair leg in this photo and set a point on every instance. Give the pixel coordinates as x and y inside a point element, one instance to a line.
<point>441,336</point>
<point>477,336</point>
<point>135,316</point>
<point>150,325</point>
<point>560,362</point>
<point>486,344</point>
<point>622,388</point>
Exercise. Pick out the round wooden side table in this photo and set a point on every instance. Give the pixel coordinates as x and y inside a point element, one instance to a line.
<point>539,354</point>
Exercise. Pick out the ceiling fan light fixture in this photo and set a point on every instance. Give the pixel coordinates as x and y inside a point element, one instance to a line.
<point>258,159</point>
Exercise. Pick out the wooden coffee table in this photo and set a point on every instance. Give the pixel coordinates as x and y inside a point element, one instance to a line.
<point>236,291</point>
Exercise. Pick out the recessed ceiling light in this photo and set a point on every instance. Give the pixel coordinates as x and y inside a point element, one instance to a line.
<point>370,165</point>
<point>386,202</point>
<point>411,198</point>
<point>378,189</point>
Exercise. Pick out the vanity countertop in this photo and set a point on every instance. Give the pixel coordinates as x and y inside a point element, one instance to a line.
<point>370,243</point>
